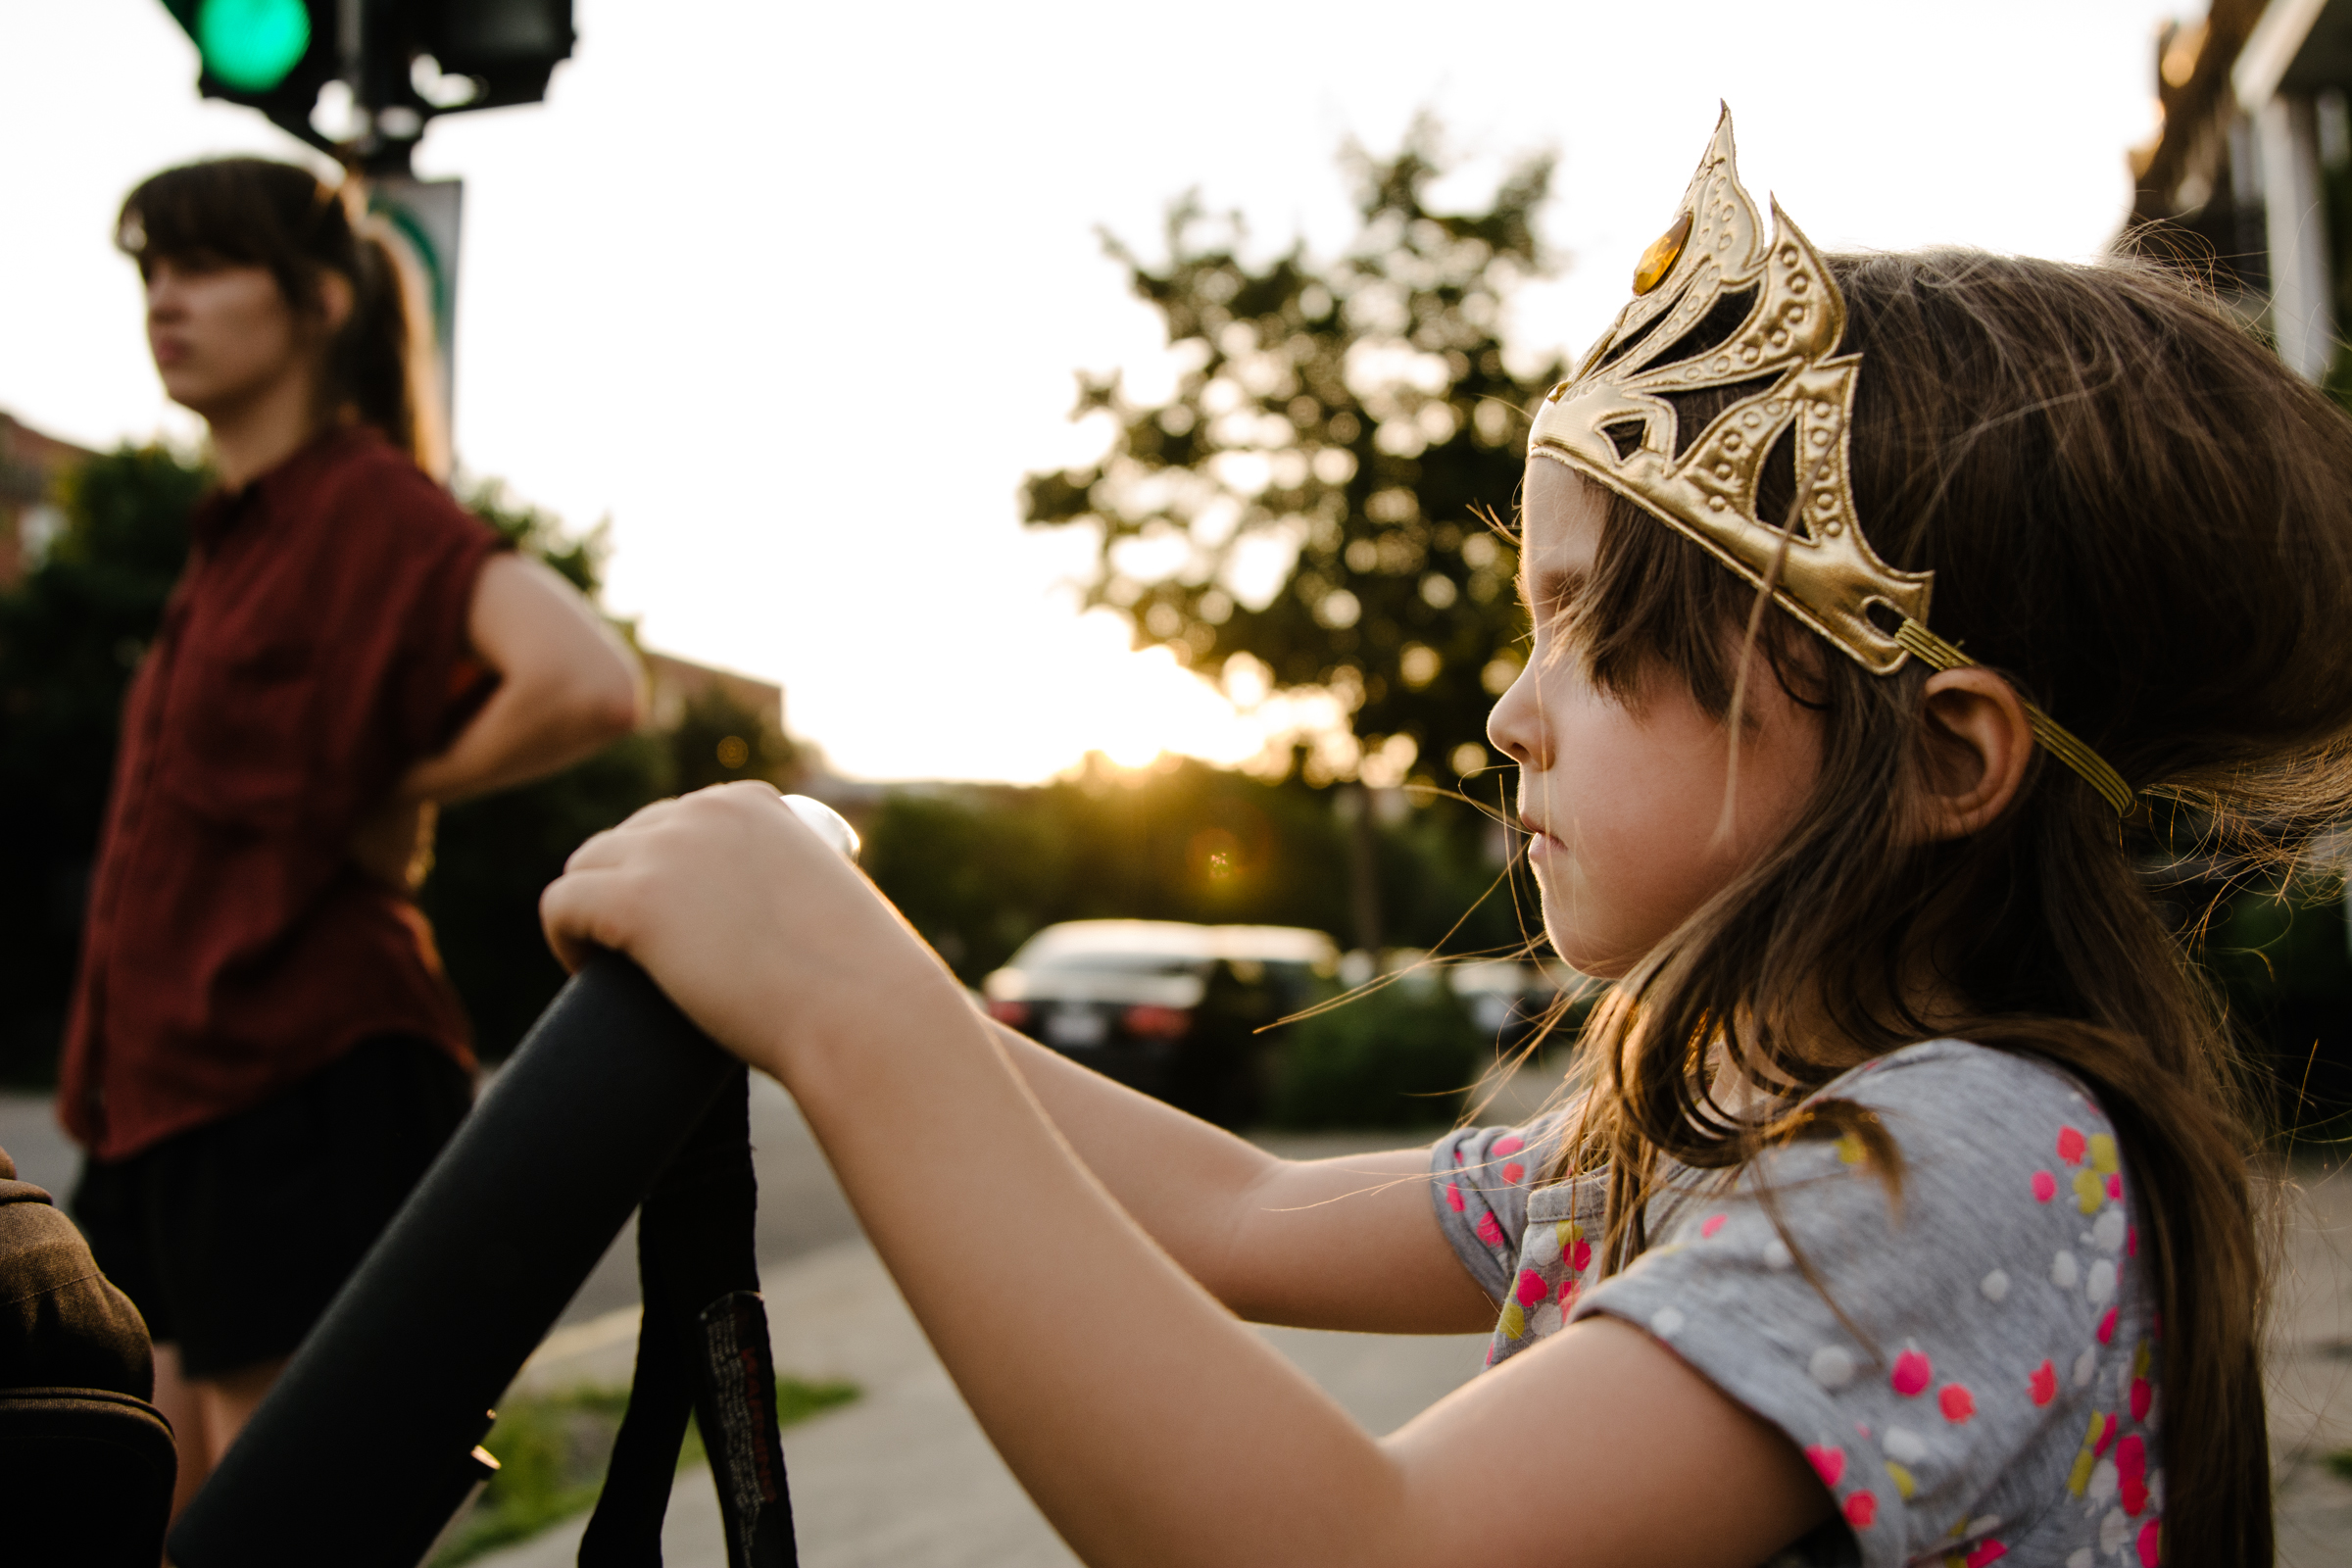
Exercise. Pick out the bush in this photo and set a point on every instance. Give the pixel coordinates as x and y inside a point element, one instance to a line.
<point>1400,1056</point>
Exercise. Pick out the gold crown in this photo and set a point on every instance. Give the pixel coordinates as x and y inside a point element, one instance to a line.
<point>1720,306</point>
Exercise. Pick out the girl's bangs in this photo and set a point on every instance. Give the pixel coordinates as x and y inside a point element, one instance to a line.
<point>1659,604</point>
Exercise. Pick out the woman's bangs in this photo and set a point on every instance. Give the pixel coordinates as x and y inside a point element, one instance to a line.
<point>243,210</point>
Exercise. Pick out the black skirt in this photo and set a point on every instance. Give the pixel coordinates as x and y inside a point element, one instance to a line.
<point>231,1238</point>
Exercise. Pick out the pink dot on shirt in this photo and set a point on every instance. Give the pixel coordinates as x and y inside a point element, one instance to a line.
<point>1489,1231</point>
<point>1510,1144</point>
<point>1912,1370</point>
<point>1453,1197</point>
<point>1532,1287</point>
<point>1862,1510</point>
<point>1956,1403</point>
<point>2045,1186</point>
<point>1513,1171</point>
<point>2069,1146</point>
<point>2107,1328</point>
<point>2115,1183</point>
<point>2131,1475</point>
<point>1710,1225</point>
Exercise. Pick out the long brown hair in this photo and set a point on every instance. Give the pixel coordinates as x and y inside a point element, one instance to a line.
<point>2140,518</point>
<point>257,213</point>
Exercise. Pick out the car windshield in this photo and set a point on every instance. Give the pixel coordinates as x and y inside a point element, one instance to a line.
<point>1117,963</point>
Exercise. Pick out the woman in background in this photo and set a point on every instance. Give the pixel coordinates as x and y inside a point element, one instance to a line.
<point>263,1053</point>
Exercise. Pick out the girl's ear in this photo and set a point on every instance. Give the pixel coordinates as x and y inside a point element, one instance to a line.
<point>1974,748</point>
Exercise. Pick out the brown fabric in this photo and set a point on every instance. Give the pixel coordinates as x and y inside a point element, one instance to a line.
<point>62,1325</point>
<point>307,657</point>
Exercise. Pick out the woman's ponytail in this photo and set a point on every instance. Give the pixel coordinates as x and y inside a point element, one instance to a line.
<point>382,364</point>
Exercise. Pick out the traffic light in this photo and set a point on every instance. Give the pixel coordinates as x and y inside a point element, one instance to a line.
<point>404,62</point>
<point>270,54</point>
<point>508,46</point>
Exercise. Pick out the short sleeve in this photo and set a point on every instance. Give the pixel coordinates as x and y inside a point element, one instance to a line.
<point>1480,1178</point>
<point>1945,1371</point>
<point>404,570</point>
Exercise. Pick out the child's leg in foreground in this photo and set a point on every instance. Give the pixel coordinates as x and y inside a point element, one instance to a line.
<point>1149,1424</point>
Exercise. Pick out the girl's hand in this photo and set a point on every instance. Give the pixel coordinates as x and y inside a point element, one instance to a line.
<point>747,920</point>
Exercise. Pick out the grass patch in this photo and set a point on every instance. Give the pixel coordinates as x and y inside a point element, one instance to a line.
<point>552,1450</point>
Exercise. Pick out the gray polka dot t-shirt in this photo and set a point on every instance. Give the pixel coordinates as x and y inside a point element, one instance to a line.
<point>2000,1400</point>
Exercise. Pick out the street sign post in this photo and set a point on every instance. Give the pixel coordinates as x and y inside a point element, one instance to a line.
<point>424,216</point>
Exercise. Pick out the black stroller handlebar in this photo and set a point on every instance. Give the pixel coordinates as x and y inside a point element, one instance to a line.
<point>365,1447</point>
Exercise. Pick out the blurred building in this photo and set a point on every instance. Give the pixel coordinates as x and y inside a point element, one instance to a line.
<point>30,465</point>
<point>2250,178</point>
<point>672,683</point>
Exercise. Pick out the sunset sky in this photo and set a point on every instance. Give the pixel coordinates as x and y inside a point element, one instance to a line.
<point>793,294</point>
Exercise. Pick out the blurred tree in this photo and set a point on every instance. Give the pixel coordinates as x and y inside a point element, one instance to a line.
<point>1344,425</point>
<point>1402,1056</point>
<point>578,558</point>
<point>718,740</point>
<point>978,868</point>
<point>492,859</point>
<point>2285,967</point>
<point>71,632</point>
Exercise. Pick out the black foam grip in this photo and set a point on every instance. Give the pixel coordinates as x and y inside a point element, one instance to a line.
<point>358,1456</point>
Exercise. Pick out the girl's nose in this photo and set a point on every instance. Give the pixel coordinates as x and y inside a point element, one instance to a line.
<point>1515,726</point>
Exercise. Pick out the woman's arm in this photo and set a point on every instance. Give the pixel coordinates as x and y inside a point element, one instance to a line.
<point>1151,1426</point>
<point>1349,1243</point>
<point>567,687</point>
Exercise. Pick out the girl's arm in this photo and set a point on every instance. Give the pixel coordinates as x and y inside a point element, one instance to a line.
<point>1349,1243</point>
<point>1150,1426</point>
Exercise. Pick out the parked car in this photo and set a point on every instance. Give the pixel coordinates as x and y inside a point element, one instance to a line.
<point>1170,1008</point>
<point>1511,1001</point>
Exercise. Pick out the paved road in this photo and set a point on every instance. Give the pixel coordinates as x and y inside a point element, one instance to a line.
<point>801,1205</point>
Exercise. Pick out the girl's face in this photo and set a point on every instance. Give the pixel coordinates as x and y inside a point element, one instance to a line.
<point>1624,801</point>
<point>222,333</point>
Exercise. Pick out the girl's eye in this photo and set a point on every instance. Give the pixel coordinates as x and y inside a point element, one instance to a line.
<point>1552,598</point>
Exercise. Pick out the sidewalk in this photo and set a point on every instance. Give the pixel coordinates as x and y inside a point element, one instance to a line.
<point>2310,1371</point>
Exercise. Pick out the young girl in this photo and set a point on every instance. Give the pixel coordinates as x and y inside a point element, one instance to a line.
<point>1899,1210</point>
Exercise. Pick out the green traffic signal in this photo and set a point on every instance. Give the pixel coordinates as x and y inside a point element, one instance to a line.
<point>251,44</point>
